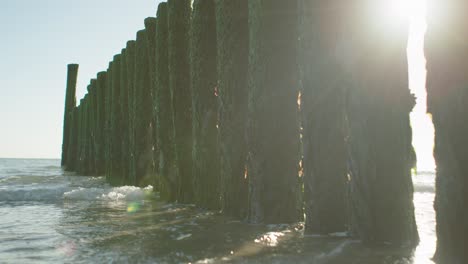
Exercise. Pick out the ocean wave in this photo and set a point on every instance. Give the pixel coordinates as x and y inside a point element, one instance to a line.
<point>30,195</point>
<point>124,193</point>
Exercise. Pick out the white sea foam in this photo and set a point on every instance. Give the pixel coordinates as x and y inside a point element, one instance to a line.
<point>124,193</point>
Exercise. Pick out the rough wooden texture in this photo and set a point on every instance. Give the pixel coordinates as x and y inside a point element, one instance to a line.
<point>116,125</point>
<point>72,141</point>
<point>447,90</point>
<point>381,189</point>
<point>232,53</point>
<point>273,119</point>
<point>92,127</point>
<point>107,120</point>
<point>164,110</point>
<point>70,103</point>
<point>100,121</point>
<point>150,25</point>
<point>143,113</point>
<point>178,12</point>
<point>323,115</point>
<point>205,151</point>
<point>130,68</point>
<point>123,100</point>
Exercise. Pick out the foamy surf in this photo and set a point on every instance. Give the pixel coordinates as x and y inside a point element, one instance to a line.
<point>125,193</point>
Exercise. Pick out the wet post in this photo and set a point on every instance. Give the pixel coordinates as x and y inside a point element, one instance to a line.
<point>123,101</point>
<point>150,26</point>
<point>115,125</point>
<point>130,68</point>
<point>100,121</point>
<point>168,184</point>
<point>205,151</point>
<point>70,104</point>
<point>107,120</point>
<point>143,113</point>
<point>447,94</point>
<point>72,141</point>
<point>380,149</point>
<point>273,118</point>
<point>322,105</point>
<point>91,128</point>
<point>232,55</point>
<point>179,82</point>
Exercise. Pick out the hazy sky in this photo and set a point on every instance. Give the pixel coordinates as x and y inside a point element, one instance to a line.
<point>40,37</point>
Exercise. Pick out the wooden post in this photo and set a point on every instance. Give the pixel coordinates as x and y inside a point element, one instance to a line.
<point>232,55</point>
<point>381,189</point>
<point>447,93</point>
<point>130,61</point>
<point>100,121</point>
<point>322,104</point>
<point>179,83</point>
<point>273,120</point>
<point>206,162</point>
<point>164,111</point>
<point>70,104</point>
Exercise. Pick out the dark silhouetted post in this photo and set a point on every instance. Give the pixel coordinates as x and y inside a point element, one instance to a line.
<point>447,96</point>
<point>381,189</point>
<point>130,61</point>
<point>164,111</point>
<point>100,121</point>
<point>70,103</point>
<point>273,119</point>
<point>206,162</point>
<point>143,113</point>
<point>179,82</point>
<point>107,119</point>
<point>233,49</point>
<point>116,126</point>
<point>321,31</point>
<point>123,97</point>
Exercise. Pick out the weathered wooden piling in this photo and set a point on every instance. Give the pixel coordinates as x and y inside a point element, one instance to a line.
<point>144,166</point>
<point>168,184</point>
<point>150,26</point>
<point>116,128</point>
<point>72,141</point>
<point>70,104</point>
<point>124,114</point>
<point>100,121</point>
<point>381,189</point>
<point>107,119</point>
<point>324,83</point>
<point>178,12</point>
<point>447,94</point>
<point>130,68</point>
<point>203,72</point>
<point>273,119</point>
<point>232,53</point>
<point>91,163</point>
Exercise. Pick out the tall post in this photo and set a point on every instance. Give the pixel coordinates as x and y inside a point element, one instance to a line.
<point>273,120</point>
<point>179,82</point>
<point>447,93</point>
<point>130,68</point>
<point>123,101</point>
<point>100,121</point>
<point>70,104</point>
<point>205,150</point>
<point>107,120</point>
<point>232,55</point>
<point>164,110</point>
<point>143,113</point>
<point>380,149</point>
<point>115,125</point>
<point>321,34</point>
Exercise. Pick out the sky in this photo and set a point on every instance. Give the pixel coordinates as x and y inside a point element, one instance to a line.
<point>39,39</point>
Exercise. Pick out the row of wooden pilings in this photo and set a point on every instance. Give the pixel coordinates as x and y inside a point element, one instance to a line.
<point>268,110</point>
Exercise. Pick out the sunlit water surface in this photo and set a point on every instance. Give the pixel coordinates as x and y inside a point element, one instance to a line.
<point>50,216</point>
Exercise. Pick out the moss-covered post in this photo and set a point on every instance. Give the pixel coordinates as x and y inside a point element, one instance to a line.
<point>70,104</point>
<point>115,125</point>
<point>150,26</point>
<point>107,120</point>
<point>232,53</point>
<point>446,51</point>
<point>143,113</point>
<point>179,82</point>
<point>168,184</point>
<point>273,119</point>
<point>100,121</point>
<point>130,68</point>
<point>381,189</point>
<point>124,133</point>
<point>203,72</point>
<point>321,30</point>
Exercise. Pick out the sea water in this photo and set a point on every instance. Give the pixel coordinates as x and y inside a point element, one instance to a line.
<point>51,216</point>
